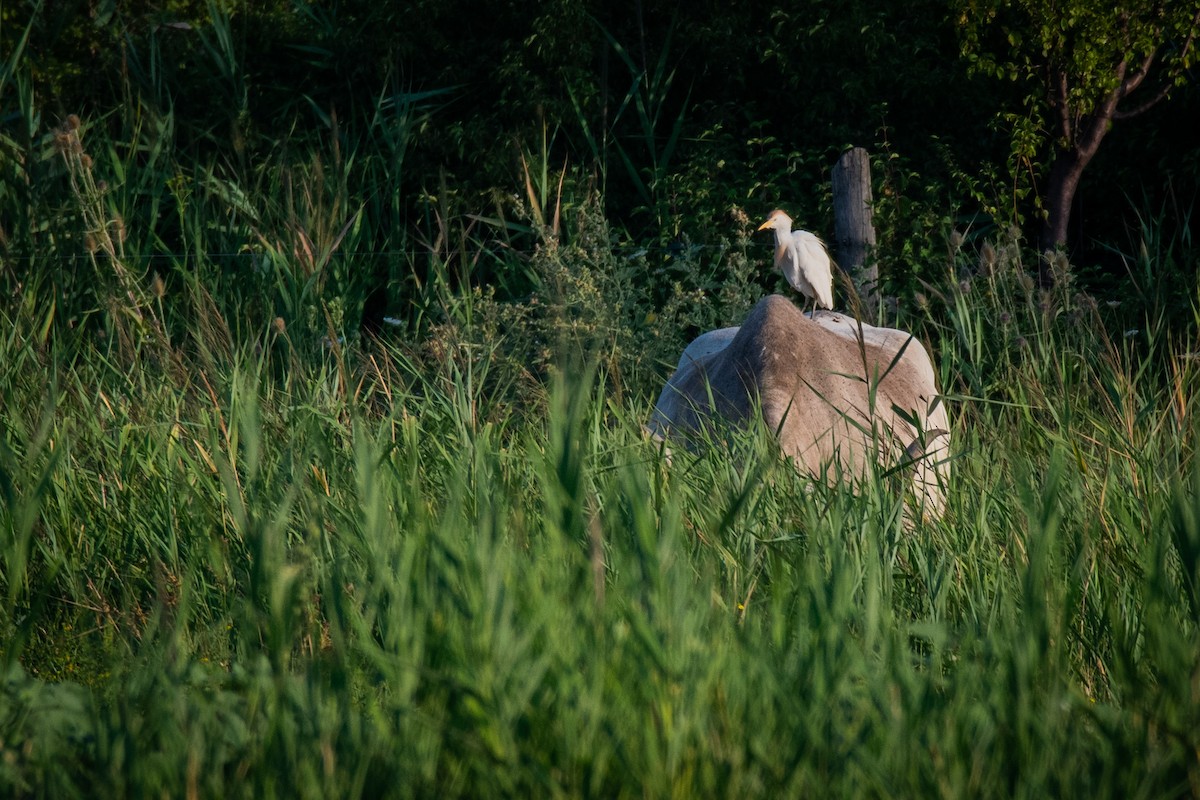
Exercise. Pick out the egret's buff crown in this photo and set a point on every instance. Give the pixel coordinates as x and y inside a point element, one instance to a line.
<point>802,259</point>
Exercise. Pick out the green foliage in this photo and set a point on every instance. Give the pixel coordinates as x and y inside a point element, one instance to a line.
<point>322,469</point>
<point>1079,67</point>
<point>1082,40</point>
<point>360,574</point>
<point>590,299</point>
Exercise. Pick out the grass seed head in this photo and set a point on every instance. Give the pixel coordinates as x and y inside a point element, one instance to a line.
<point>987,259</point>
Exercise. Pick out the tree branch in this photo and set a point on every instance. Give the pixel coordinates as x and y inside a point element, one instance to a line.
<point>1059,101</point>
<point>1134,80</point>
<point>1099,120</point>
<point>1149,103</point>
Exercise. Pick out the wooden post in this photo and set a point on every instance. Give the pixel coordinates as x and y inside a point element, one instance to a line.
<point>854,228</point>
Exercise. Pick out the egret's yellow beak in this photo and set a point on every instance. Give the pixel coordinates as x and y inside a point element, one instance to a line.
<point>765,225</point>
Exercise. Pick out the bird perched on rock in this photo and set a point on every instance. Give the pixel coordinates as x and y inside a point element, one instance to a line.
<point>802,259</point>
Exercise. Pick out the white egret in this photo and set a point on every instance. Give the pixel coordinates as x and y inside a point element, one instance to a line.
<point>802,259</point>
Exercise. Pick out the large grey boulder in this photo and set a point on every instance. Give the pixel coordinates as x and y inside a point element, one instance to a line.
<point>841,395</point>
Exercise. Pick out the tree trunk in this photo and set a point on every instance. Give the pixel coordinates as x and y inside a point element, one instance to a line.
<point>854,227</point>
<point>1060,195</point>
<point>1063,182</point>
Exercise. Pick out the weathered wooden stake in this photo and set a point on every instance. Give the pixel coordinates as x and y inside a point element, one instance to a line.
<point>854,227</point>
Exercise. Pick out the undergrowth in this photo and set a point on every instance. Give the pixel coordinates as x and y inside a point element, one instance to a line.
<point>243,566</point>
<point>253,547</point>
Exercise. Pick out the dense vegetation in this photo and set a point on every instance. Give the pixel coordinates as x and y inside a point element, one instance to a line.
<point>327,332</point>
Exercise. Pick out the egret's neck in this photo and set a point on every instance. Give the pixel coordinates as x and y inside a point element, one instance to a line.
<point>783,239</point>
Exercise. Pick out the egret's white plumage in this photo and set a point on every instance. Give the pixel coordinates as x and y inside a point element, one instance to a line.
<point>802,259</point>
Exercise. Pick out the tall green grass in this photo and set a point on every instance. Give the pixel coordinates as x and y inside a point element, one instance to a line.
<point>258,569</point>
<point>247,551</point>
